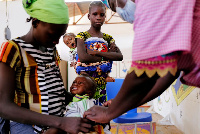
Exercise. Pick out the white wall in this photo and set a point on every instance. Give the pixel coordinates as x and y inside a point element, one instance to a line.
<point>185,116</point>
<point>17,19</point>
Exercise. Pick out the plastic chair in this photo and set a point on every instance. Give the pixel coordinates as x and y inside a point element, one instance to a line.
<point>131,116</point>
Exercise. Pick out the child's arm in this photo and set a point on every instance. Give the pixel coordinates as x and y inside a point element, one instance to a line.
<point>113,54</point>
<point>83,55</point>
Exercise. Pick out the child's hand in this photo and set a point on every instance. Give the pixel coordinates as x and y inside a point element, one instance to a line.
<point>107,103</point>
<point>113,48</point>
<point>73,64</point>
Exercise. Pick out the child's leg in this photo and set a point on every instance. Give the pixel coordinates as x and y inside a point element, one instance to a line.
<point>83,72</point>
<point>110,79</point>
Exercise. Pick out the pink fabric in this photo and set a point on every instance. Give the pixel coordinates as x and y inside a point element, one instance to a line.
<point>156,62</point>
<point>190,62</point>
<point>161,27</point>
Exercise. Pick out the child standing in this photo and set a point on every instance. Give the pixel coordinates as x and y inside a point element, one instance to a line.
<point>96,51</point>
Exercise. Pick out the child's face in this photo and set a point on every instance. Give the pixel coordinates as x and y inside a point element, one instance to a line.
<point>97,16</point>
<point>80,86</point>
<point>69,41</point>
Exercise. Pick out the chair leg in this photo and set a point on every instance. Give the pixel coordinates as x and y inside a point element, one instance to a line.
<point>135,128</point>
<point>151,128</point>
<point>117,128</point>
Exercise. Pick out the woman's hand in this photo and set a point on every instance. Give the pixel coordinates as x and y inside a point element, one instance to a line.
<point>98,114</point>
<point>114,48</point>
<point>74,125</point>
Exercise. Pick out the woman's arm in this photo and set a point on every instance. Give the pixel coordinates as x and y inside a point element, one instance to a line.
<point>83,55</point>
<point>134,92</point>
<point>10,110</point>
<point>121,3</point>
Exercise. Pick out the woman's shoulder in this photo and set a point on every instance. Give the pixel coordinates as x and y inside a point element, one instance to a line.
<point>10,53</point>
<point>10,44</point>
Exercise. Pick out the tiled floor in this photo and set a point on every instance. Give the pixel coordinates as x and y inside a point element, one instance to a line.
<point>144,129</point>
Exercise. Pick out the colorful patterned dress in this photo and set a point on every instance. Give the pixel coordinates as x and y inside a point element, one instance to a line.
<point>99,70</point>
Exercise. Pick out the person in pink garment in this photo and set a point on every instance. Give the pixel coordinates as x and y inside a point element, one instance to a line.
<point>166,42</point>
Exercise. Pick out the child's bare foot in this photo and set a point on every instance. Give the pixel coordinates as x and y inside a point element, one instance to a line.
<point>110,79</point>
<point>83,72</point>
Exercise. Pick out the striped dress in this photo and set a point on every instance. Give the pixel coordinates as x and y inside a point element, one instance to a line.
<point>38,83</point>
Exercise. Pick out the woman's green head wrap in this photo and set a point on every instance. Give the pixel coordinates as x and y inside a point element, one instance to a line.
<point>50,11</point>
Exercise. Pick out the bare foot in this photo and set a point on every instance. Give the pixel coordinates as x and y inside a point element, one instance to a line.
<point>110,79</point>
<point>83,72</point>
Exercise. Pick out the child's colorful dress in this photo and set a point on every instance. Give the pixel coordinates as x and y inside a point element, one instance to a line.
<point>99,70</point>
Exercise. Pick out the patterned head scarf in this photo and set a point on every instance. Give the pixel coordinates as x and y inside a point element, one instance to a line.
<point>106,3</point>
<point>50,11</point>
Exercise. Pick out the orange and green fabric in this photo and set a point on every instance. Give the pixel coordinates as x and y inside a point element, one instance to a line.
<point>38,85</point>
